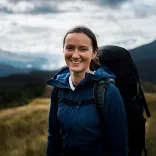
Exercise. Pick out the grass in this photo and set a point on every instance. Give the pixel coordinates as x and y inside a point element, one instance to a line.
<point>23,130</point>
<point>151,125</point>
<point>40,101</point>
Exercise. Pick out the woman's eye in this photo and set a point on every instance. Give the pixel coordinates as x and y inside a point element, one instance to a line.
<point>83,49</point>
<point>69,48</point>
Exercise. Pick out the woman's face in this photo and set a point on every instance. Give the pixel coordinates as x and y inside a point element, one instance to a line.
<point>78,52</point>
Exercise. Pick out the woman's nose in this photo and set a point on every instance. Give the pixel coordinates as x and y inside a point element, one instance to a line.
<point>75,53</point>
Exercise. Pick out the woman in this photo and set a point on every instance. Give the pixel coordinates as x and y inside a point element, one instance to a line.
<point>74,128</point>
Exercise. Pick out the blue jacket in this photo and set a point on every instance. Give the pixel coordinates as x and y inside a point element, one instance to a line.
<point>75,129</point>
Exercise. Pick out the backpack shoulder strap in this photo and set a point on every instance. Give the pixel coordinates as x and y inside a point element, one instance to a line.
<point>99,91</point>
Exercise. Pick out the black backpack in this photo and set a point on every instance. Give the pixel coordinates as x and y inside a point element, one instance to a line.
<point>120,62</point>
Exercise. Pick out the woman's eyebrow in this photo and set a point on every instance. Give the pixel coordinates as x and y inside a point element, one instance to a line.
<point>84,46</point>
<point>81,46</point>
<point>69,45</point>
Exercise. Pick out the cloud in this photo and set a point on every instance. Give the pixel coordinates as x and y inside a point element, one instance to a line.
<point>29,66</point>
<point>111,3</point>
<point>140,8</point>
<point>30,27</point>
<point>40,6</point>
<point>44,33</point>
<point>44,9</point>
<point>28,7</point>
<point>54,61</point>
<point>49,6</point>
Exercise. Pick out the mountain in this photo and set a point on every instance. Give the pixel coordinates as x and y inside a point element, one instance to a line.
<point>22,60</point>
<point>145,60</point>
<point>144,52</point>
<point>19,63</point>
<point>8,70</point>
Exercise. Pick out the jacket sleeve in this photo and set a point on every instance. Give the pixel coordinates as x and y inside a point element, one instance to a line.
<point>54,136</point>
<point>116,128</point>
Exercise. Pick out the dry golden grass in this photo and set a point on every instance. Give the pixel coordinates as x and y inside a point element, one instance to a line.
<point>151,125</point>
<point>23,130</point>
<point>40,101</point>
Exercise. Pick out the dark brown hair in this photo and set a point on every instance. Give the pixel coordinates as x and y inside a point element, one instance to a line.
<point>82,29</point>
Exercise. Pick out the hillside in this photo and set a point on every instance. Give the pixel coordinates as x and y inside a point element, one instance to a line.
<point>145,60</point>
<point>147,70</point>
<point>144,52</point>
<point>8,70</point>
<point>19,89</point>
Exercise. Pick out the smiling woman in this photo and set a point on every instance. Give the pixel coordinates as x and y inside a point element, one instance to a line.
<point>80,50</point>
<point>75,127</point>
<point>78,53</point>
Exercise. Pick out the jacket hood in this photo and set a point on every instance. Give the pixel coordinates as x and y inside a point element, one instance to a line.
<point>61,79</point>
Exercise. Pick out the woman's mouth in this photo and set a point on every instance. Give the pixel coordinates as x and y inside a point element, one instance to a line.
<point>76,62</point>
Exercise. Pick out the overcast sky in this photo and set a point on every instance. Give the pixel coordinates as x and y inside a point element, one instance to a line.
<point>38,26</point>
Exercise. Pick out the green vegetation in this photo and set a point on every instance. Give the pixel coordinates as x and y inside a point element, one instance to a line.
<point>19,89</point>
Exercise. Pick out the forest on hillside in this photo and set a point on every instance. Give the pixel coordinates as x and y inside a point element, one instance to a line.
<point>19,89</point>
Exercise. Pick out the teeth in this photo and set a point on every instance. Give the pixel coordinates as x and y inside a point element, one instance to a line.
<point>75,62</point>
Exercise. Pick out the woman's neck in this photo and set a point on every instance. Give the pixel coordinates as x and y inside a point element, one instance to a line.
<point>77,77</point>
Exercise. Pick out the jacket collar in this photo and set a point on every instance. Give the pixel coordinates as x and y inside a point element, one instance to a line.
<point>61,79</point>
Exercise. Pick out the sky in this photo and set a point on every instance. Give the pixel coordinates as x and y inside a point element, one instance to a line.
<point>38,26</point>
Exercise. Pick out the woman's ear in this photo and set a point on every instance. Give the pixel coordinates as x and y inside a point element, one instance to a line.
<point>94,54</point>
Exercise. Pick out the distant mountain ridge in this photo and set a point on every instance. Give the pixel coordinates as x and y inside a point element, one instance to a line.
<point>22,60</point>
<point>144,52</point>
<point>144,57</point>
<point>9,70</point>
<point>18,63</point>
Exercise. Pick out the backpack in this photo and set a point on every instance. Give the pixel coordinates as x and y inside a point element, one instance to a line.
<point>119,61</point>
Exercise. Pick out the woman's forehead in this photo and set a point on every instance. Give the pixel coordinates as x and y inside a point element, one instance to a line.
<point>77,38</point>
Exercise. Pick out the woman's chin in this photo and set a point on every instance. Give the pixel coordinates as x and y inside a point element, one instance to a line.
<point>75,69</point>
